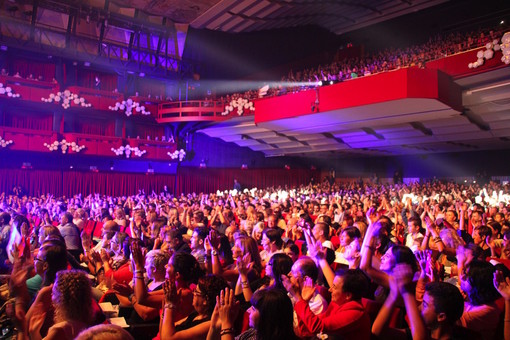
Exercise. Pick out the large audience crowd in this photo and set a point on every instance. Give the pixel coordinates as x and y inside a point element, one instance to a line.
<point>392,58</point>
<point>436,47</point>
<point>337,261</point>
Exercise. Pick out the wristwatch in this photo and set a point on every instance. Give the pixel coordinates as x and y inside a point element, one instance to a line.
<point>214,252</point>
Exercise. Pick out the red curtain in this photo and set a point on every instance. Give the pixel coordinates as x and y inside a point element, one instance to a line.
<point>99,127</point>
<point>210,180</point>
<point>34,122</point>
<point>87,78</point>
<point>115,183</point>
<point>26,67</point>
<point>69,183</point>
<point>148,130</point>
<point>34,182</point>
<point>56,182</point>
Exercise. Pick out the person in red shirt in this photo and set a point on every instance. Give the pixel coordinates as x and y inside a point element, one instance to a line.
<point>345,315</point>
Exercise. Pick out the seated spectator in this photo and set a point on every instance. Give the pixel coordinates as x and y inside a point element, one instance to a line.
<point>197,324</point>
<point>345,315</point>
<point>182,268</point>
<point>270,316</point>
<point>71,235</point>
<point>104,332</point>
<point>441,309</point>
<point>481,313</point>
<point>304,269</point>
<point>272,243</point>
<point>72,299</point>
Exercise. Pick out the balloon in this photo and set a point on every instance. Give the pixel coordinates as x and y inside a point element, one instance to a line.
<point>488,54</point>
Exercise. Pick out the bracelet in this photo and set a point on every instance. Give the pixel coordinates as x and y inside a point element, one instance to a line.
<point>139,277</point>
<point>169,305</point>
<point>226,331</point>
<point>214,253</point>
<point>437,239</point>
<point>139,271</point>
<point>245,284</point>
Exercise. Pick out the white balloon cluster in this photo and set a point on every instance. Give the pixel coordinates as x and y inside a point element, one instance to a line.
<point>240,104</point>
<point>64,146</point>
<point>66,97</point>
<point>127,150</point>
<point>4,143</point>
<point>129,105</point>
<point>8,91</point>
<point>177,154</point>
<point>505,48</point>
<point>490,48</point>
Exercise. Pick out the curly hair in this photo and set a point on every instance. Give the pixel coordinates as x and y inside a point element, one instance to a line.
<point>158,258</point>
<point>104,332</point>
<point>211,286</point>
<point>72,296</point>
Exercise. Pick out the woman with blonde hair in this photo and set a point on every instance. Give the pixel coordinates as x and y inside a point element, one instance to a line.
<point>120,218</point>
<point>245,248</point>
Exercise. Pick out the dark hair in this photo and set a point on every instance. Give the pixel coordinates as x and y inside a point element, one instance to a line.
<point>18,222</point>
<point>202,232</point>
<point>260,216</point>
<point>124,243</point>
<point>198,216</point>
<point>274,235</point>
<point>69,217</point>
<point>484,231</point>
<point>354,282</point>
<point>55,254</point>
<point>174,233</point>
<point>506,234</point>
<point>187,266</point>
<point>415,220</point>
<point>211,286</point>
<point>276,314</point>
<point>281,264</point>
<point>480,275</point>
<point>293,247</point>
<point>161,221</point>
<point>5,218</point>
<point>308,268</point>
<point>447,299</point>
<point>496,226</point>
<point>326,219</point>
<point>324,227</point>
<point>352,232</point>
<point>225,250</point>
<point>405,255</point>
